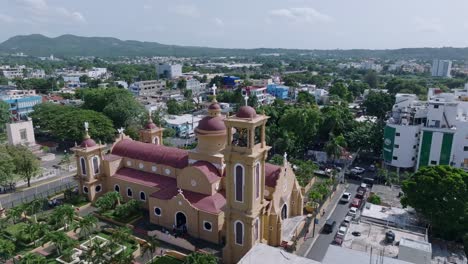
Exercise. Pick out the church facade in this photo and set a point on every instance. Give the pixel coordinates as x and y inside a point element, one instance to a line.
<point>223,191</point>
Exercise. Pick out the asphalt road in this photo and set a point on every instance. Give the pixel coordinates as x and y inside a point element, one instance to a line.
<point>42,189</point>
<point>318,250</point>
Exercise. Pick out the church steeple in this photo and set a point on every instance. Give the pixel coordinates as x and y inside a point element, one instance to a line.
<point>151,133</point>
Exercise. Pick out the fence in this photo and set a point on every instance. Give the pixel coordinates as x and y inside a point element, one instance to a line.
<point>43,191</point>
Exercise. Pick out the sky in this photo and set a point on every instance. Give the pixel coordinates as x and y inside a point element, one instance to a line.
<point>304,24</point>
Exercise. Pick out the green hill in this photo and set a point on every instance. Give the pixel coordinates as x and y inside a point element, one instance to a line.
<point>70,45</point>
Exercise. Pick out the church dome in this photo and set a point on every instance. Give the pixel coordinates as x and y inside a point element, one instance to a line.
<point>214,106</point>
<point>209,123</point>
<point>151,125</point>
<point>88,142</point>
<point>246,112</point>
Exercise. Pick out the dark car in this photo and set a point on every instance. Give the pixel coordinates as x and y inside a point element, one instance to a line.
<point>360,194</point>
<point>329,226</point>
<point>368,181</point>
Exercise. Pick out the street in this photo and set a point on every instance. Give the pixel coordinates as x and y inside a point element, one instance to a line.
<point>40,189</point>
<point>319,248</point>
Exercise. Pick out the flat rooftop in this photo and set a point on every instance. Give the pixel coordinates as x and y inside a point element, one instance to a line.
<point>393,216</point>
<point>373,237</point>
<point>262,253</point>
<point>389,195</point>
<point>340,255</point>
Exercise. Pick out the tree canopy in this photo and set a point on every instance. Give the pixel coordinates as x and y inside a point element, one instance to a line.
<point>378,104</point>
<point>440,194</point>
<point>66,123</point>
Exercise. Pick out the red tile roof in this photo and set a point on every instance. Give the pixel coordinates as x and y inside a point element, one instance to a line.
<point>145,178</point>
<point>158,154</point>
<point>111,157</point>
<point>272,173</point>
<point>207,203</point>
<point>208,169</point>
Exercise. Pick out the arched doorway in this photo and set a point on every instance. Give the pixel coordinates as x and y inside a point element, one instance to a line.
<point>180,220</point>
<point>284,212</point>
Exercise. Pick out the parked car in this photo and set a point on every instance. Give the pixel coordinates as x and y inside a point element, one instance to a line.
<point>347,219</point>
<point>345,197</point>
<point>338,240</point>
<point>356,203</point>
<point>329,226</point>
<point>372,168</point>
<point>360,194</point>
<point>352,211</point>
<point>358,170</point>
<point>342,231</point>
<point>368,181</point>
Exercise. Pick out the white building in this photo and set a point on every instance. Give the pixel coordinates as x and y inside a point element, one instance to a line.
<point>12,73</point>
<point>170,71</point>
<point>261,82</point>
<point>36,73</point>
<point>183,124</point>
<point>441,68</point>
<point>147,88</point>
<point>425,133</point>
<point>195,85</point>
<point>96,72</point>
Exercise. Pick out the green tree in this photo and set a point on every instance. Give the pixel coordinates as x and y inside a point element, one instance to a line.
<point>150,246</point>
<point>121,235</point>
<point>59,239</point>
<point>5,115</point>
<point>378,104</point>
<point>439,193</point>
<point>7,168</point>
<point>15,213</point>
<point>66,123</point>
<point>305,98</point>
<point>334,146</point>
<point>253,101</point>
<point>339,89</point>
<point>371,79</point>
<point>32,258</point>
<point>182,84</point>
<point>200,258</point>
<point>108,201</point>
<point>86,225</point>
<point>124,111</point>
<point>26,163</point>
<point>7,249</point>
<point>357,88</point>
<point>173,108</point>
<point>63,215</point>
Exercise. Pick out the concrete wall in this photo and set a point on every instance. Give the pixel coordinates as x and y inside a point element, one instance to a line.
<point>14,133</point>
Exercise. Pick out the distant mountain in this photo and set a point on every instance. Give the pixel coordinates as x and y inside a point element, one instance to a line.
<point>70,45</point>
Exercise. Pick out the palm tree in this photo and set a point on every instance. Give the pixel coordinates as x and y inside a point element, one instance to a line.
<point>86,225</point>
<point>120,235</point>
<point>28,231</point>
<point>95,254</point>
<point>124,257</point>
<point>39,229</point>
<point>31,258</point>
<point>150,246</point>
<point>35,206</point>
<point>64,215</point>
<point>7,249</point>
<point>15,213</point>
<point>200,258</point>
<point>59,239</point>
<point>334,146</point>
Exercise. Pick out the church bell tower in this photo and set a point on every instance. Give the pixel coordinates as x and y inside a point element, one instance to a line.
<point>89,156</point>
<point>245,155</point>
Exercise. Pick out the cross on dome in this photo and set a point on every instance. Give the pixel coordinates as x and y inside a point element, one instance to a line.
<point>86,126</point>
<point>214,88</point>
<point>246,98</point>
<point>180,191</point>
<point>120,130</point>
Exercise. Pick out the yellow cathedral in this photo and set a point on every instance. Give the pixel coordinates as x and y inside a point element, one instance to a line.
<point>223,191</point>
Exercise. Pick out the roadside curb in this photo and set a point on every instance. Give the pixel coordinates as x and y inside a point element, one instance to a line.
<point>329,214</point>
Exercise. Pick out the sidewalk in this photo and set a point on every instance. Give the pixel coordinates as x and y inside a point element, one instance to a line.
<point>329,209</point>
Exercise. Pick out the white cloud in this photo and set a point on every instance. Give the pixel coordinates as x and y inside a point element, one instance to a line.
<point>427,25</point>
<point>301,14</point>
<point>42,12</point>
<point>219,22</point>
<point>187,10</point>
<point>6,18</point>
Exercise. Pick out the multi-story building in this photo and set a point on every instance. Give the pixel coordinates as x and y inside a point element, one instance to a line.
<point>96,72</point>
<point>425,133</point>
<point>195,85</point>
<point>147,88</point>
<point>21,102</point>
<point>170,71</point>
<point>441,68</point>
<point>223,191</point>
<point>231,82</point>
<point>259,92</point>
<point>261,82</point>
<point>12,73</point>
<point>278,91</point>
<point>36,73</point>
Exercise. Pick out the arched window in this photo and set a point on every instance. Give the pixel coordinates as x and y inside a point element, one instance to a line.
<point>117,188</point>
<point>129,192</point>
<point>85,189</point>
<point>142,196</point>
<point>96,164</point>
<point>83,166</point>
<point>239,232</point>
<point>156,140</point>
<point>239,183</point>
<point>257,180</point>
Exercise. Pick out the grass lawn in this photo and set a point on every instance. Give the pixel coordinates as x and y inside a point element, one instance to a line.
<point>166,260</point>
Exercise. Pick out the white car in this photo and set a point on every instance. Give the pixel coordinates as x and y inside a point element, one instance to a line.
<point>342,231</point>
<point>345,197</point>
<point>352,211</point>
<point>347,219</point>
<point>358,170</point>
